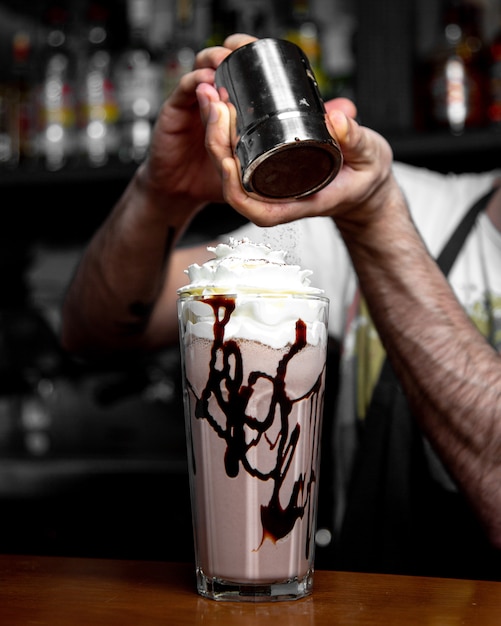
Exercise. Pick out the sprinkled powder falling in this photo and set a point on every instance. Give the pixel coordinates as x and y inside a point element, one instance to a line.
<point>285,237</point>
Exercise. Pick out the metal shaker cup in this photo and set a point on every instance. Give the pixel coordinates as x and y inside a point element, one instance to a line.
<point>283,145</point>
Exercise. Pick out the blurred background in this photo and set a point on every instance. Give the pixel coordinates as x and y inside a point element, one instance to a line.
<point>92,460</point>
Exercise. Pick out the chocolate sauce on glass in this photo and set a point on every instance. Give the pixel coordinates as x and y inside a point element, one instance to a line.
<point>227,387</point>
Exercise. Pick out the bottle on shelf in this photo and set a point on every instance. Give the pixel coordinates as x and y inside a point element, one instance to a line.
<point>138,79</point>
<point>257,17</point>
<point>98,106</point>
<point>338,50</point>
<point>494,76</point>
<point>457,86</point>
<point>16,118</point>
<point>22,70</point>
<point>182,47</point>
<point>56,140</point>
<point>8,129</point>
<point>303,30</point>
<point>222,21</point>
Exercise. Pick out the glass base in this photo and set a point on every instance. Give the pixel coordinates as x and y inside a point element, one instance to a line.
<point>219,589</point>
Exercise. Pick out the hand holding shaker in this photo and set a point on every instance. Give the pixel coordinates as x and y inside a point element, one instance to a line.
<point>253,344</point>
<point>283,144</point>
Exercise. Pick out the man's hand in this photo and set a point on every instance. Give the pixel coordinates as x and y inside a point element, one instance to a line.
<point>178,163</point>
<point>357,190</point>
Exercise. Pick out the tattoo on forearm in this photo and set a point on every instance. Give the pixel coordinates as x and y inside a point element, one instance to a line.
<point>169,244</point>
<point>140,311</point>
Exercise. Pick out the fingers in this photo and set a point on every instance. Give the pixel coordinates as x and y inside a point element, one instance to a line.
<point>211,57</point>
<point>341,126</point>
<point>342,104</point>
<point>363,149</point>
<point>238,40</point>
<point>257,210</point>
<point>206,62</point>
<point>367,161</point>
<point>360,146</point>
<point>206,94</point>
<point>217,118</point>
<point>214,55</point>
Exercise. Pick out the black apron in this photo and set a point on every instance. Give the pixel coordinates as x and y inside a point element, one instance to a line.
<point>399,519</point>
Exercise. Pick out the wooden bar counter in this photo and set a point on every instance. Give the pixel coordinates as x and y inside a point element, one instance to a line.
<point>56,591</point>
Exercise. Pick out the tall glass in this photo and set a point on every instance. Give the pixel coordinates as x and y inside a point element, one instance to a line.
<point>254,376</point>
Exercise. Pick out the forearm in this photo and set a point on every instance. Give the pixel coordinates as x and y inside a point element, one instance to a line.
<point>450,374</point>
<point>111,301</point>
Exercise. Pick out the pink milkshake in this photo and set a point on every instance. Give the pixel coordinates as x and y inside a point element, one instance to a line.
<point>254,373</point>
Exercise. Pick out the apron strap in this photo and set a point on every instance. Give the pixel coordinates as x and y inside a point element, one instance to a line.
<point>446,258</point>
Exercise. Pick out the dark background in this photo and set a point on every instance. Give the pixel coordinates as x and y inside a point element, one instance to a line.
<point>92,459</point>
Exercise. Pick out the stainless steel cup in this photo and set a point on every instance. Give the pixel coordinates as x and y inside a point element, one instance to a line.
<point>283,144</point>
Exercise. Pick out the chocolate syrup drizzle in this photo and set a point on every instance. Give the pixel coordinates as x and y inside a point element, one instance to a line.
<point>232,393</point>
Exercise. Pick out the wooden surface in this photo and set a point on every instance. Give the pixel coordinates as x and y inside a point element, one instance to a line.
<point>56,591</point>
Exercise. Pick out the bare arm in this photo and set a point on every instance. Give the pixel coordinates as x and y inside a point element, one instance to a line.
<point>124,292</point>
<point>450,374</point>
<point>123,296</point>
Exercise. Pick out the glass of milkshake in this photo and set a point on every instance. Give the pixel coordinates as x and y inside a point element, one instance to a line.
<point>253,337</point>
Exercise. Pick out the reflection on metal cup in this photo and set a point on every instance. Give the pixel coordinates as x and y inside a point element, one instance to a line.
<point>283,144</point>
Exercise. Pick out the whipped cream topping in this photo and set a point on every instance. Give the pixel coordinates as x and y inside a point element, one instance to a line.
<point>270,296</point>
<point>244,266</point>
